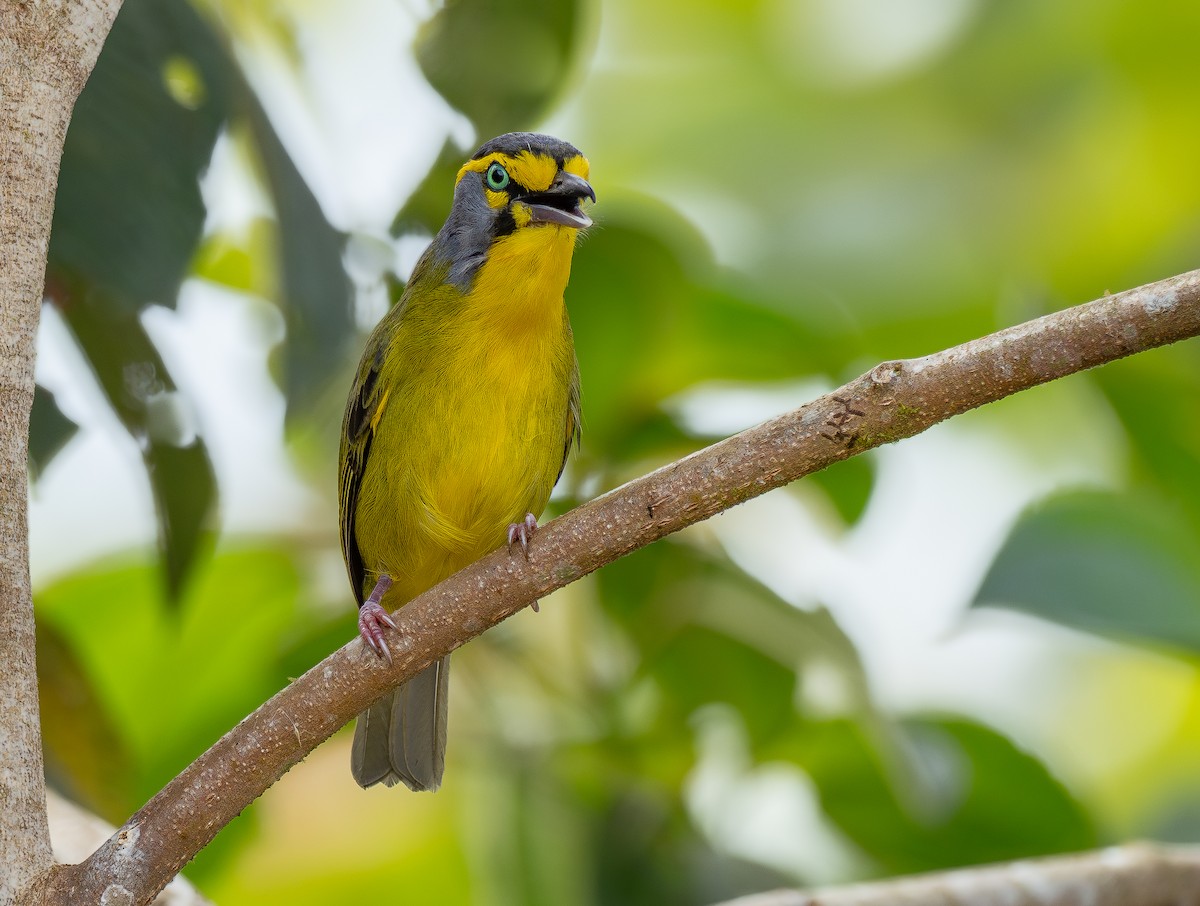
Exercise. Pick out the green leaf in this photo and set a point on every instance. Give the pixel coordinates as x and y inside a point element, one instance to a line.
<point>49,431</point>
<point>643,266</point>
<point>244,263</point>
<point>848,485</point>
<point>316,293</point>
<point>136,382</point>
<point>708,633</point>
<point>1125,566</point>
<point>1148,392</point>
<point>175,684</point>
<point>128,212</point>
<point>127,219</point>
<point>948,792</point>
<point>185,493</point>
<point>86,757</point>
<point>500,61</point>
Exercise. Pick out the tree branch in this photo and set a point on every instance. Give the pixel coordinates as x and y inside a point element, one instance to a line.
<point>47,51</point>
<point>892,401</point>
<point>76,833</point>
<point>1140,874</point>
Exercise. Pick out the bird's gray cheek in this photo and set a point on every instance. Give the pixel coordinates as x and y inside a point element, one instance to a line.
<point>463,241</point>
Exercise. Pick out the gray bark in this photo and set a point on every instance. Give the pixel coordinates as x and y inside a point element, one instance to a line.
<point>47,50</point>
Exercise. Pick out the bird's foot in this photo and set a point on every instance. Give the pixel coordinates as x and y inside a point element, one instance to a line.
<point>522,532</point>
<point>372,618</point>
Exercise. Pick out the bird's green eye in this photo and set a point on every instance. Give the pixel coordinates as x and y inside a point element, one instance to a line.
<point>497,177</point>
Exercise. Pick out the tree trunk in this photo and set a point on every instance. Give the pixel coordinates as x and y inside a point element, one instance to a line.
<point>47,51</point>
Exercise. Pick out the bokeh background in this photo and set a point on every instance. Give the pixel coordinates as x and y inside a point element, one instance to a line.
<point>978,644</point>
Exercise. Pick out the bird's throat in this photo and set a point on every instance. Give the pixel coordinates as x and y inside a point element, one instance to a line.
<point>522,282</point>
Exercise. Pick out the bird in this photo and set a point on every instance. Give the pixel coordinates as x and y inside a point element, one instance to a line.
<point>463,411</point>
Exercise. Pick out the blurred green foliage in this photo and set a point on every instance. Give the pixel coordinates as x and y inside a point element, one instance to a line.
<point>860,207</point>
<point>49,431</point>
<point>502,61</point>
<point>1120,565</point>
<point>973,797</point>
<point>127,219</point>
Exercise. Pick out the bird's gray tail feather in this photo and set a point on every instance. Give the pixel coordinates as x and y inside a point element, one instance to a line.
<point>402,737</point>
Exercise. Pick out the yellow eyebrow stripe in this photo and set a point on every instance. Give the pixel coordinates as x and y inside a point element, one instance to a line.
<point>534,171</point>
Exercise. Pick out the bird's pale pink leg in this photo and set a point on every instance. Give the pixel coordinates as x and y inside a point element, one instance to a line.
<point>522,532</point>
<point>372,618</point>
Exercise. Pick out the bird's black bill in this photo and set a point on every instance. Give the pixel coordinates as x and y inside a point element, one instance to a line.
<point>544,213</point>
<point>560,203</point>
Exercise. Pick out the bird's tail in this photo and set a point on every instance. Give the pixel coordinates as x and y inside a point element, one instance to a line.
<point>402,737</point>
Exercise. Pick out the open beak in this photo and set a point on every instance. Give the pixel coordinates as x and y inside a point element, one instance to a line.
<point>560,203</point>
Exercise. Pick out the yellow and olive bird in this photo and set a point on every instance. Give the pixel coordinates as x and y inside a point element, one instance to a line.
<point>460,419</point>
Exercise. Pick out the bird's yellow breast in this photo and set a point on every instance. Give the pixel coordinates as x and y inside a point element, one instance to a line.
<point>471,435</point>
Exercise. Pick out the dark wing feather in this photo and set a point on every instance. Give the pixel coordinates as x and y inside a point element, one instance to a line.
<point>357,433</point>
<point>362,415</point>
<point>574,424</point>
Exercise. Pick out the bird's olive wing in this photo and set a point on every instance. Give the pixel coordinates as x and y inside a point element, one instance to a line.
<point>358,430</point>
<point>574,425</point>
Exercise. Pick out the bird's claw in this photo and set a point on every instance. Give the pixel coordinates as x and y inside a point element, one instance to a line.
<point>373,618</point>
<point>522,532</point>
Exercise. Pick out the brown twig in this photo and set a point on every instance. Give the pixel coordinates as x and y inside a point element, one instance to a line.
<point>1139,874</point>
<point>893,401</point>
